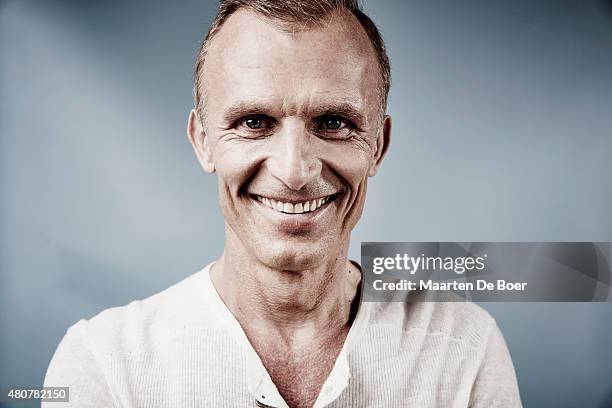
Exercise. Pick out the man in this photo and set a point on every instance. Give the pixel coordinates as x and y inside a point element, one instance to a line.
<point>290,115</point>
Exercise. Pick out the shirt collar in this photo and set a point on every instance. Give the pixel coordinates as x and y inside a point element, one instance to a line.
<point>259,383</point>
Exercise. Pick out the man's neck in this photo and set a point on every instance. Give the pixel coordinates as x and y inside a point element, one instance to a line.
<point>296,310</point>
<point>297,321</point>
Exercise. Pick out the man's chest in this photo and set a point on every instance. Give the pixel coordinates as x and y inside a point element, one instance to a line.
<point>300,382</point>
<point>192,374</point>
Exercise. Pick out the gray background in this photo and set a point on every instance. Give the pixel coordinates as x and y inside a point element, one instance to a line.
<point>502,132</point>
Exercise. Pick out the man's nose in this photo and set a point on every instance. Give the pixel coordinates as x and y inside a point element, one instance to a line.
<point>293,160</point>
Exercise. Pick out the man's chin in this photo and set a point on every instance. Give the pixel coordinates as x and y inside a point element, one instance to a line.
<point>293,257</point>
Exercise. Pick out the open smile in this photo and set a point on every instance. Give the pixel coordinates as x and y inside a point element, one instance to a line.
<point>295,207</point>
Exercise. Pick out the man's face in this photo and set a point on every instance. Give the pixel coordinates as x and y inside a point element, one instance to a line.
<point>291,128</point>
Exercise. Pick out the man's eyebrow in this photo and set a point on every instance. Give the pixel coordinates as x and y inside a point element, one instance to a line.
<point>242,109</point>
<point>344,109</point>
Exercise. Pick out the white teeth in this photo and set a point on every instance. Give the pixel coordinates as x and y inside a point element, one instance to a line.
<point>290,208</point>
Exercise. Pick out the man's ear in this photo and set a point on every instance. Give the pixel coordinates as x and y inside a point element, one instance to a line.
<point>197,137</point>
<point>382,145</point>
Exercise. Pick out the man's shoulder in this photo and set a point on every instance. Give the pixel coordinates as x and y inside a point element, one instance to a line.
<point>460,321</point>
<point>145,324</point>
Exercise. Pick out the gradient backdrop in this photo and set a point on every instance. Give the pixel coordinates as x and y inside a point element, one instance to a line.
<point>502,132</point>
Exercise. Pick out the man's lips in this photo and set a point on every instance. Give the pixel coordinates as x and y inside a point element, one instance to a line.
<point>296,207</point>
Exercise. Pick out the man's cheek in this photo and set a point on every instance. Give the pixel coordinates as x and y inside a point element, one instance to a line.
<point>348,157</point>
<point>231,175</point>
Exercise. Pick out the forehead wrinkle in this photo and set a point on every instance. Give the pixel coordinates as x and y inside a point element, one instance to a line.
<point>351,108</point>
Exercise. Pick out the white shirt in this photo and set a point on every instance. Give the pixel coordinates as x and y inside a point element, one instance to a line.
<point>183,348</point>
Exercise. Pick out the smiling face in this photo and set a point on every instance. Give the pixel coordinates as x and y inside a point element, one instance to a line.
<point>292,129</point>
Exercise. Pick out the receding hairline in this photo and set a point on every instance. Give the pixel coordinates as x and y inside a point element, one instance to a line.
<point>343,20</point>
